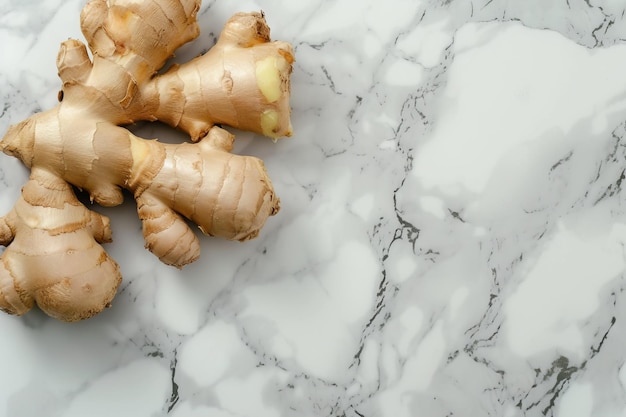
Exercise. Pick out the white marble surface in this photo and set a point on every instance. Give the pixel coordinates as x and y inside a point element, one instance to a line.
<point>451,240</point>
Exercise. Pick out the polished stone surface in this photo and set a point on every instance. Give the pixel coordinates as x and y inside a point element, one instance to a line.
<point>451,240</point>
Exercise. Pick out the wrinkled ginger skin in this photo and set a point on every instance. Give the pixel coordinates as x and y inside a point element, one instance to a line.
<point>226,195</point>
<point>53,256</point>
<point>236,83</point>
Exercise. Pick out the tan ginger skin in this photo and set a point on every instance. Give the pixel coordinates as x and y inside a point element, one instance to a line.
<point>53,255</point>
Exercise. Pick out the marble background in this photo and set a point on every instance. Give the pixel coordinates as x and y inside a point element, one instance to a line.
<point>451,240</point>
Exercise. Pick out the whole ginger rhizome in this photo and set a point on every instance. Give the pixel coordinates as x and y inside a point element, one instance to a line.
<point>53,256</point>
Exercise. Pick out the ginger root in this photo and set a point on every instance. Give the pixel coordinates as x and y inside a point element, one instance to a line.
<point>53,257</point>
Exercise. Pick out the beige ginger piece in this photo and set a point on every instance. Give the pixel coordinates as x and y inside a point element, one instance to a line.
<point>54,257</point>
<point>243,82</point>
